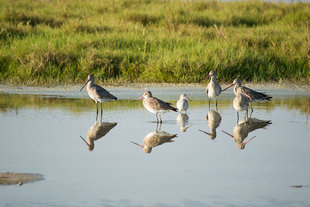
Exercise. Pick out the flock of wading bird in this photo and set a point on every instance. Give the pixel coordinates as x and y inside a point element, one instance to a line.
<point>243,98</point>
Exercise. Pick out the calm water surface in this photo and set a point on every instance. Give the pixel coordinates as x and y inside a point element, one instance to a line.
<point>41,129</point>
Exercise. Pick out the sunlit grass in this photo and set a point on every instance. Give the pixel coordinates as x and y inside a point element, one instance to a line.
<point>53,42</point>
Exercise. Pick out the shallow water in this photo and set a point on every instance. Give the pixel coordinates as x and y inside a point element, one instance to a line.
<point>41,129</point>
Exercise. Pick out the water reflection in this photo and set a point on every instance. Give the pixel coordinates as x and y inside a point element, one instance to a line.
<point>96,131</point>
<point>77,105</point>
<point>182,121</point>
<point>213,120</point>
<point>243,128</point>
<point>155,138</point>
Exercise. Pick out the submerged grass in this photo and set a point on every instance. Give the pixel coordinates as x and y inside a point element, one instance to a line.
<point>50,42</point>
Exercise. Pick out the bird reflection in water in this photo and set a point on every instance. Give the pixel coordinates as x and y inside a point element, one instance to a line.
<point>182,121</point>
<point>96,131</point>
<point>213,120</point>
<point>243,128</point>
<point>155,138</point>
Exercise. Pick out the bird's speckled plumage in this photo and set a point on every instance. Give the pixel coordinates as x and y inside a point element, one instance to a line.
<point>155,105</point>
<point>241,102</point>
<point>96,92</point>
<point>255,95</point>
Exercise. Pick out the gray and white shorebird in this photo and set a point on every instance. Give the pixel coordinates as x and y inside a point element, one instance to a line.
<point>182,103</point>
<point>97,93</point>
<point>255,96</point>
<point>241,102</point>
<point>214,88</point>
<point>155,105</point>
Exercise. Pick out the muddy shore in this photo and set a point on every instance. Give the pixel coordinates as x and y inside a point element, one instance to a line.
<point>10,178</point>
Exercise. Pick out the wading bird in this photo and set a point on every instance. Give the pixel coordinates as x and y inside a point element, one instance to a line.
<point>213,89</point>
<point>241,102</point>
<point>182,103</point>
<point>155,105</point>
<point>255,96</point>
<point>97,93</point>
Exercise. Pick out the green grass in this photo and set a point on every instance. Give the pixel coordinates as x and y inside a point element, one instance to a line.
<point>61,42</point>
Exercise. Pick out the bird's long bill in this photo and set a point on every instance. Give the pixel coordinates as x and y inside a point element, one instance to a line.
<point>227,87</point>
<point>208,76</point>
<point>246,95</point>
<point>84,141</point>
<point>137,144</point>
<point>228,134</point>
<point>84,84</point>
<point>248,140</point>
<point>188,98</point>
<point>205,132</point>
<point>137,99</point>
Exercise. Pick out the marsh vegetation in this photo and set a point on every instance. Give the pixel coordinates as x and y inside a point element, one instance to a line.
<point>51,42</point>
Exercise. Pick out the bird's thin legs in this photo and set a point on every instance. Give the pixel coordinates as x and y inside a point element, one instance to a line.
<point>251,111</point>
<point>97,111</point>
<point>158,120</point>
<point>101,113</point>
<point>246,114</point>
<point>158,126</point>
<point>209,104</point>
<point>237,117</point>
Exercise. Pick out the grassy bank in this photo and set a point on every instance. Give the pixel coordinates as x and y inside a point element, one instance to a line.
<point>52,42</point>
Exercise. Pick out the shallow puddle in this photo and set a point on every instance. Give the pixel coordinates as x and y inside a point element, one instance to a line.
<point>202,163</point>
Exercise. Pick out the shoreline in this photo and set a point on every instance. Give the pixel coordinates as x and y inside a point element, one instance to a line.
<point>12,178</point>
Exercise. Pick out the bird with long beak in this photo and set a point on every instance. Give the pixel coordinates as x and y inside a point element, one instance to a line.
<point>255,96</point>
<point>155,105</point>
<point>182,103</point>
<point>213,89</point>
<point>97,93</point>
